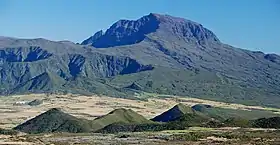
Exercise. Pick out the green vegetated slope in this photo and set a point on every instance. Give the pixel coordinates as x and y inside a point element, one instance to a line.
<point>177,118</point>
<point>201,84</point>
<point>207,116</point>
<point>160,53</point>
<point>54,120</point>
<point>119,116</point>
<point>45,82</point>
<point>180,117</point>
<point>126,120</point>
<point>217,113</point>
<point>225,113</point>
<point>173,113</point>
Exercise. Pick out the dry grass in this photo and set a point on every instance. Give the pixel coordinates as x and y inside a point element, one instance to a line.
<point>92,106</point>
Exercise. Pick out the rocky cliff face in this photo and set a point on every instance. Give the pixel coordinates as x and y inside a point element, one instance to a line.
<point>126,32</point>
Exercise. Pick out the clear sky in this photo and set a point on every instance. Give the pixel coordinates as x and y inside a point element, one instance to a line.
<point>250,24</point>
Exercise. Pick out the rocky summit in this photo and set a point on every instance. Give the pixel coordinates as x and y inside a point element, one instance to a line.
<point>126,32</point>
<point>160,53</point>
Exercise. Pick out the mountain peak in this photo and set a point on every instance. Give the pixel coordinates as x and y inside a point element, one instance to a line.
<point>173,113</point>
<point>124,32</point>
<point>120,115</point>
<point>54,120</point>
<point>127,32</point>
<point>185,28</point>
<point>169,18</point>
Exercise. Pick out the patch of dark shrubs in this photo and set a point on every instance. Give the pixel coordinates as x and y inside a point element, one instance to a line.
<point>115,128</point>
<point>273,122</point>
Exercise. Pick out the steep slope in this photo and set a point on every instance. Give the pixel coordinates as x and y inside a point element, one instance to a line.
<point>54,120</point>
<point>93,38</point>
<point>174,113</point>
<point>208,116</point>
<point>120,116</point>
<point>40,65</point>
<point>44,82</point>
<point>180,116</point>
<point>159,53</point>
<point>181,44</point>
<point>184,116</point>
<point>125,32</point>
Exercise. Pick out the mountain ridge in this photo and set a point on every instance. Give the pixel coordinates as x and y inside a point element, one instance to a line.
<point>162,54</point>
<point>126,32</point>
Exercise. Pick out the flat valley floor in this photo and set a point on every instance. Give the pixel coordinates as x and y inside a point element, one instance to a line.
<point>14,111</point>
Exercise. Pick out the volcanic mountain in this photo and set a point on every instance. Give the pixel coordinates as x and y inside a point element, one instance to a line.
<point>174,113</point>
<point>202,113</point>
<point>161,53</point>
<point>119,116</point>
<point>54,120</point>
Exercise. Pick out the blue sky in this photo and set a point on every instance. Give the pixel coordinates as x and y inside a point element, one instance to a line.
<point>249,24</point>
